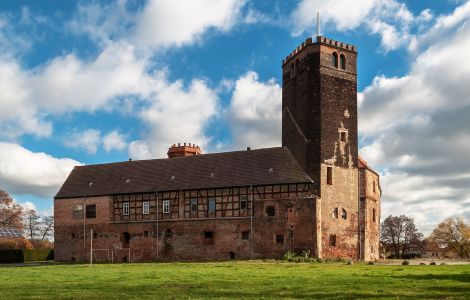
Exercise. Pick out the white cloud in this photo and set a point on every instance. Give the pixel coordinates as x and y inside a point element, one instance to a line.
<point>88,140</point>
<point>36,173</point>
<point>176,113</point>
<point>390,19</point>
<point>114,141</point>
<point>415,127</point>
<point>254,113</point>
<point>159,24</point>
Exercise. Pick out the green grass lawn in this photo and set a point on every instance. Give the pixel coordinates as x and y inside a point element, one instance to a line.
<point>235,280</point>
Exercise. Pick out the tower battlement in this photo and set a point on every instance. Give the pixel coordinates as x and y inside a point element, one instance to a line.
<point>320,40</point>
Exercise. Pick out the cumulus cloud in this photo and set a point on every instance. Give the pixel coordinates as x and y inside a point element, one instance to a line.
<point>88,140</point>
<point>415,127</point>
<point>25,172</point>
<point>254,113</point>
<point>114,141</point>
<point>159,24</point>
<point>176,113</point>
<point>389,19</point>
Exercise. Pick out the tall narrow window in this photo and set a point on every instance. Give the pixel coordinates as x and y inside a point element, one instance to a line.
<point>166,206</point>
<point>343,136</point>
<point>373,215</point>
<point>329,175</point>
<point>332,240</point>
<point>373,186</point>
<point>334,59</point>
<point>125,208</point>
<point>292,70</point>
<point>297,65</point>
<point>145,207</point>
<point>91,211</point>
<point>243,201</point>
<point>344,214</point>
<point>342,61</point>
<point>335,213</point>
<point>193,204</point>
<point>211,206</point>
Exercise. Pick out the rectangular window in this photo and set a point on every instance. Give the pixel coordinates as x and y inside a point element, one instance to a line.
<point>166,206</point>
<point>243,202</point>
<point>329,175</point>
<point>373,215</point>
<point>332,240</point>
<point>145,207</point>
<point>208,237</point>
<point>211,205</point>
<point>78,211</point>
<point>245,235</point>
<point>343,136</point>
<point>125,208</point>
<point>279,239</point>
<point>91,211</point>
<point>270,211</point>
<point>194,204</point>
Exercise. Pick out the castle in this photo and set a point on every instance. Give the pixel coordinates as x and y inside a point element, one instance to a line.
<point>313,193</point>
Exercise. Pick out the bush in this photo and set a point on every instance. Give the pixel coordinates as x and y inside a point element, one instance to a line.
<point>11,256</point>
<point>422,264</point>
<point>432,263</point>
<point>405,263</point>
<point>38,254</point>
<point>370,263</point>
<point>8,244</point>
<point>302,256</point>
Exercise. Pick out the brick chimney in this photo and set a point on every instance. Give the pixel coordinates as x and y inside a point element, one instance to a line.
<point>183,150</point>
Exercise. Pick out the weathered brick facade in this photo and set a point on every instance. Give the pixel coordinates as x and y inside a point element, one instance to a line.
<point>245,204</point>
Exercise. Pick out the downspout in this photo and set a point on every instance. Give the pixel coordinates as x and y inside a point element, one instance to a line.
<point>359,213</point>
<point>158,230</point>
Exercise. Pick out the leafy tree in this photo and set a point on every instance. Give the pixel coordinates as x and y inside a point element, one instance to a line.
<point>455,234</point>
<point>11,213</point>
<point>400,236</point>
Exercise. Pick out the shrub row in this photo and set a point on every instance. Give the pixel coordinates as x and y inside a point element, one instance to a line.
<point>27,255</point>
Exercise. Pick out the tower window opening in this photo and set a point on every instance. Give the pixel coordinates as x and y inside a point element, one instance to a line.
<point>292,70</point>
<point>335,213</point>
<point>329,175</point>
<point>279,239</point>
<point>332,240</point>
<point>270,211</point>
<point>373,215</point>
<point>297,65</point>
<point>334,59</point>
<point>342,61</point>
<point>344,214</point>
<point>343,136</point>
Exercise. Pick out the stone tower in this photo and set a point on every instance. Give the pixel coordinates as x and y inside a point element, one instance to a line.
<point>319,127</point>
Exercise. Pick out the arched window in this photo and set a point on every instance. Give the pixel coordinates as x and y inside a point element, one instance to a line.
<point>334,59</point>
<point>344,214</point>
<point>292,70</point>
<point>335,213</point>
<point>342,61</point>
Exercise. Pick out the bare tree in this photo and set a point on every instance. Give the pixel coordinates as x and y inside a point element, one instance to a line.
<point>46,228</point>
<point>455,234</point>
<point>400,236</point>
<point>11,213</point>
<point>32,223</point>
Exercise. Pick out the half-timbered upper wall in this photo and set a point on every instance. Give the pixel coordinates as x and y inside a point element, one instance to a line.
<point>230,202</point>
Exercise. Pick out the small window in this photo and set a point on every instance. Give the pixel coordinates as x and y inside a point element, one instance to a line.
<point>95,234</point>
<point>146,233</point>
<point>270,211</point>
<point>373,215</point>
<point>166,206</point>
<point>193,204</point>
<point>372,249</point>
<point>145,207</point>
<point>343,136</point>
<point>209,237</point>
<point>373,187</point>
<point>245,235</point>
<point>291,234</point>
<point>73,236</point>
<point>329,175</point>
<point>91,211</point>
<point>168,233</point>
<point>78,212</point>
<point>344,214</point>
<point>334,60</point>
<point>332,240</point>
<point>297,65</point>
<point>279,239</point>
<point>211,206</point>
<point>125,208</point>
<point>335,213</point>
<point>342,61</point>
<point>292,70</point>
<point>243,202</point>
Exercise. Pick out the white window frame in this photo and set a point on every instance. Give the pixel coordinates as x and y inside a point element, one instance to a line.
<point>166,206</point>
<point>125,209</point>
<point>145,207</point>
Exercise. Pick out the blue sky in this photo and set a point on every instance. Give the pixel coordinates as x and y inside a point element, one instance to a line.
<point>101,81</point>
